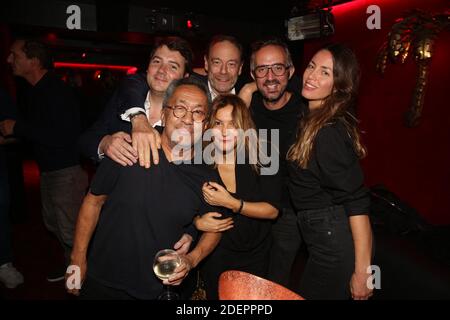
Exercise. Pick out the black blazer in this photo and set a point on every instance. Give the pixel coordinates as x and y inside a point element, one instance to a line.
<point>131,92</point>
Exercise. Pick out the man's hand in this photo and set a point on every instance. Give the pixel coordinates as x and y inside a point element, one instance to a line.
<point>83,268</point>
<point>210,222</point>
<point>183,245</point>
<point>7,127</point>
<point>145,140</point>
<point>180,272</point>
<point>118,147</point>
<point>247,91</point>
<point>358,286</point>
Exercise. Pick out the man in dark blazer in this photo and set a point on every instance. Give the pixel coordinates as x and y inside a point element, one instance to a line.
<point>138,96</point>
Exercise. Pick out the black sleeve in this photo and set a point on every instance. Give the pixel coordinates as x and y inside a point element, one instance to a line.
<point>105,177</point>
<point>341,174</point>
<point>89,140</point>
<point>7,107</point>
<point>133,92</point>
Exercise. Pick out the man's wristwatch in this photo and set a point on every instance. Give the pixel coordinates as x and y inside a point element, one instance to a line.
<point>134,114</point>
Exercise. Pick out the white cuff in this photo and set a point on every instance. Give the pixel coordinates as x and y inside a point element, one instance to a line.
<point>126,115</point>
<point>101,155</point>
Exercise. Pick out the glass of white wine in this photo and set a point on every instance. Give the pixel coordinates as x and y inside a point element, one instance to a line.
<point>164,265</point>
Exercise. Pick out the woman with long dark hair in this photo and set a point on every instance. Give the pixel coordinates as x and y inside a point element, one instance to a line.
<point>326,180</point>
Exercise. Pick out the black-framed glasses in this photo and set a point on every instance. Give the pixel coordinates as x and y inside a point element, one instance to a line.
<point>180,111</point>
<point>278,69</point>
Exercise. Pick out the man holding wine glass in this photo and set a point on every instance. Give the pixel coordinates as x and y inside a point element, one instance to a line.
<point>136,212</point>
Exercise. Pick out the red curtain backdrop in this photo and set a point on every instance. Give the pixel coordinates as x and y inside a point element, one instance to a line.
<point>414,163</point>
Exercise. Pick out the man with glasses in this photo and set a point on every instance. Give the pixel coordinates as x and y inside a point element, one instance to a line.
<point>223,63</point>
<point>137,212</point>
<point>138,100</point>
<point>275,107</point>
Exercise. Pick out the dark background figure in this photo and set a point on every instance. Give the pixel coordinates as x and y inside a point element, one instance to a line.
<point>51,122</point>
<point>9,275</point>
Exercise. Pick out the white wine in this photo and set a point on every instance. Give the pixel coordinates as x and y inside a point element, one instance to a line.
<point>164,269</point>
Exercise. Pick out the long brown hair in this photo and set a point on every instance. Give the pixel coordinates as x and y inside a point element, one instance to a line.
<point>242,119</point>
<point>338,106</point>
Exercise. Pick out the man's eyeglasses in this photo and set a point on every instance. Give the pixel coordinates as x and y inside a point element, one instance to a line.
<point>180,111</point>
<point>278,69</point>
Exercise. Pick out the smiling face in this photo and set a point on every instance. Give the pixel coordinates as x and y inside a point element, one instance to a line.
<point>271,86</point>
<point>164,67</point>
<point>225,130</point>
<point>223,65</point>
<point>318,78</point>
<point>184,131</point>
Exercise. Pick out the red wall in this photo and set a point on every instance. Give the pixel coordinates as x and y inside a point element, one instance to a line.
<point>412,162</point>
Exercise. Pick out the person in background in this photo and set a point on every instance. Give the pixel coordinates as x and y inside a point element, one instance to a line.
<point>51,124</point>
<point>9,275</point>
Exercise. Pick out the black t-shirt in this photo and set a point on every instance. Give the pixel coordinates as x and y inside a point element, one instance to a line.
<point>248,234</point>
<point>333,176</point>
<point>146,211</point>
<point>286,120</point>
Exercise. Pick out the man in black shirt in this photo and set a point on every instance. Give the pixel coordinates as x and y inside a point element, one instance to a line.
<point>52,125</point>
<point>274,107</point>
<point>137,211</point>
<point>9,275</point>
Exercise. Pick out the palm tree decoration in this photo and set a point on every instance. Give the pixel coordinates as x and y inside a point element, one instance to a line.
<point>414,34</point>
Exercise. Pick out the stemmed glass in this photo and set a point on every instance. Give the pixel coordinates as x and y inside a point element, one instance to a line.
<point>164,265</point>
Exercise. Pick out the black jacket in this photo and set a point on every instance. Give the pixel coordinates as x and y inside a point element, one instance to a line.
<point>131,92</point>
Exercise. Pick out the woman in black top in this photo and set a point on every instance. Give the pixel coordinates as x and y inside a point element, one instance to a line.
<point>326,181</point>
<point>251,198</point>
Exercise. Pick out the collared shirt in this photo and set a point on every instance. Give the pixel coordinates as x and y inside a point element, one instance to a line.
<point>214,94</point>
<point>126,117</point>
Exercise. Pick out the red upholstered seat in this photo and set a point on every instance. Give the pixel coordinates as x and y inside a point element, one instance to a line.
<point>238,285</point>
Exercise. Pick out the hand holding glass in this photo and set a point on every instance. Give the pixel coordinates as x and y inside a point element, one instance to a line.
<point>164,265</point>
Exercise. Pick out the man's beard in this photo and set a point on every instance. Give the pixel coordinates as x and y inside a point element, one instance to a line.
<point>278,97</point>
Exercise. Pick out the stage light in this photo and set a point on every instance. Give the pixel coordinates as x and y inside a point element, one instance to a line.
<point>309,26</point>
